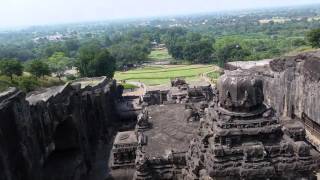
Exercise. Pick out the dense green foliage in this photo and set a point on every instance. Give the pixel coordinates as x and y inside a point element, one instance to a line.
<point>101,48</point>
<point>12,75</point>
<point>86,55</point>
<point>102,65</point>
<point>314,37</point>
<point>96,62</point>
<point>58,63</point>
<point>231,52</point>
<point>10,68</point>
<point>129,53</point>
<point>27,83</point>
<point>189,46</point>
<point>198,39</point>
<point>38,68</point>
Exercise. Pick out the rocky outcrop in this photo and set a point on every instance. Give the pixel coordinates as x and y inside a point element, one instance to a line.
<point>292,88</point>
<point>54,133</point>
<point>291,84</point>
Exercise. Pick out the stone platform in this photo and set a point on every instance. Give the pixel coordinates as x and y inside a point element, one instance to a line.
<point>170,130</point>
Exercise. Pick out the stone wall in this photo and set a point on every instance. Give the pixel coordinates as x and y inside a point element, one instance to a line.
<point>54,134</point>
<point>291,84</point>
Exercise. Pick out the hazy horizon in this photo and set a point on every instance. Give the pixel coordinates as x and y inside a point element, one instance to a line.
<point>14,13</point>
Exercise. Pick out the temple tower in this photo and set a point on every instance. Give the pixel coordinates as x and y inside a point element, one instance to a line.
<point>242,138</point>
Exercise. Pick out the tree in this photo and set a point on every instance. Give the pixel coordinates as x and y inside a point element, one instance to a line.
<point>58,64</point>
<point>72,44</point>
<point>314,37</point>
<point>107,41</point>
<point>193,37</point>
<point>102,65</point>
<point>94,61</point>
<point>232,52</point>
<point>86,54</point>
<point>27,83</point>
<point>206,51</point>
<point>38,68</point>
<point>11,67</point>
<point>198,52</point>
<point>176,51</point>
<point>298,42</point>
<point>129,53</point>
<point>175,42</point>
<point>190,46</point>
<point>53,47</point>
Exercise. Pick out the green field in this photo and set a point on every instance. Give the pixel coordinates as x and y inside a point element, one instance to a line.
<point>159,55</point>
<point>129,86</point>
<point>213,76</point>
<point>157,75</point>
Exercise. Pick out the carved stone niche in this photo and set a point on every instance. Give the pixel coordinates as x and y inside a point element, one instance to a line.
<point>240,91</point>
<point>301,148</point>
<point>253,151</point>
<point>178,82</point>
<point>143,120</point>
<point>124,149</point>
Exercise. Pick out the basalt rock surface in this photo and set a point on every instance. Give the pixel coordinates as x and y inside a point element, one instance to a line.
<point>291,84</point>
<point>243,138</point>
<point>53,134</point>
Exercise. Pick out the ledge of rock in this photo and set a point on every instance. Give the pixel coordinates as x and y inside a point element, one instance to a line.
<point>53,134</point>
<point>291,84</point>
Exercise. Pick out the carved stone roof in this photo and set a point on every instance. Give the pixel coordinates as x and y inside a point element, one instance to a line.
<point>240,91</point>
<point>126,137</point>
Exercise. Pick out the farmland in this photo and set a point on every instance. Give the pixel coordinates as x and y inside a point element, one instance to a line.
<point>158,75</point>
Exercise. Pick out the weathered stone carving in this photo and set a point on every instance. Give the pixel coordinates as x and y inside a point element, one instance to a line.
<point>53,134</point>
<point>142,120</point>
<point>124,149</point>
<point>241,138</point>
<point>291,87</point>
<point>142,166</point>
<point>192,113</point>
<point>167,142</point>
<point>177,82</point>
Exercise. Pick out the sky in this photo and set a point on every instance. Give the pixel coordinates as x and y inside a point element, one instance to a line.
<point>43,12</point>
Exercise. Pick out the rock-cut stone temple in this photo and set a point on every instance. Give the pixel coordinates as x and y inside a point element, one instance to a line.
<point>242,138</point>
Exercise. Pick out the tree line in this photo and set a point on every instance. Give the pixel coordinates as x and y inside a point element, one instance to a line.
<point>102,52</point>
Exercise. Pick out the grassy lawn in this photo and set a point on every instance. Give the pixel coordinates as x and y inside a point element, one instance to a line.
<point>213,76</point>
<point>129,86</point>
<point>158,55</point>
<point>157,75</point>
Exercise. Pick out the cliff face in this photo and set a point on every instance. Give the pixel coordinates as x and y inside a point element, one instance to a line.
<point>54,134</point>
<point>16,149</point>
<point>292,86</point>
